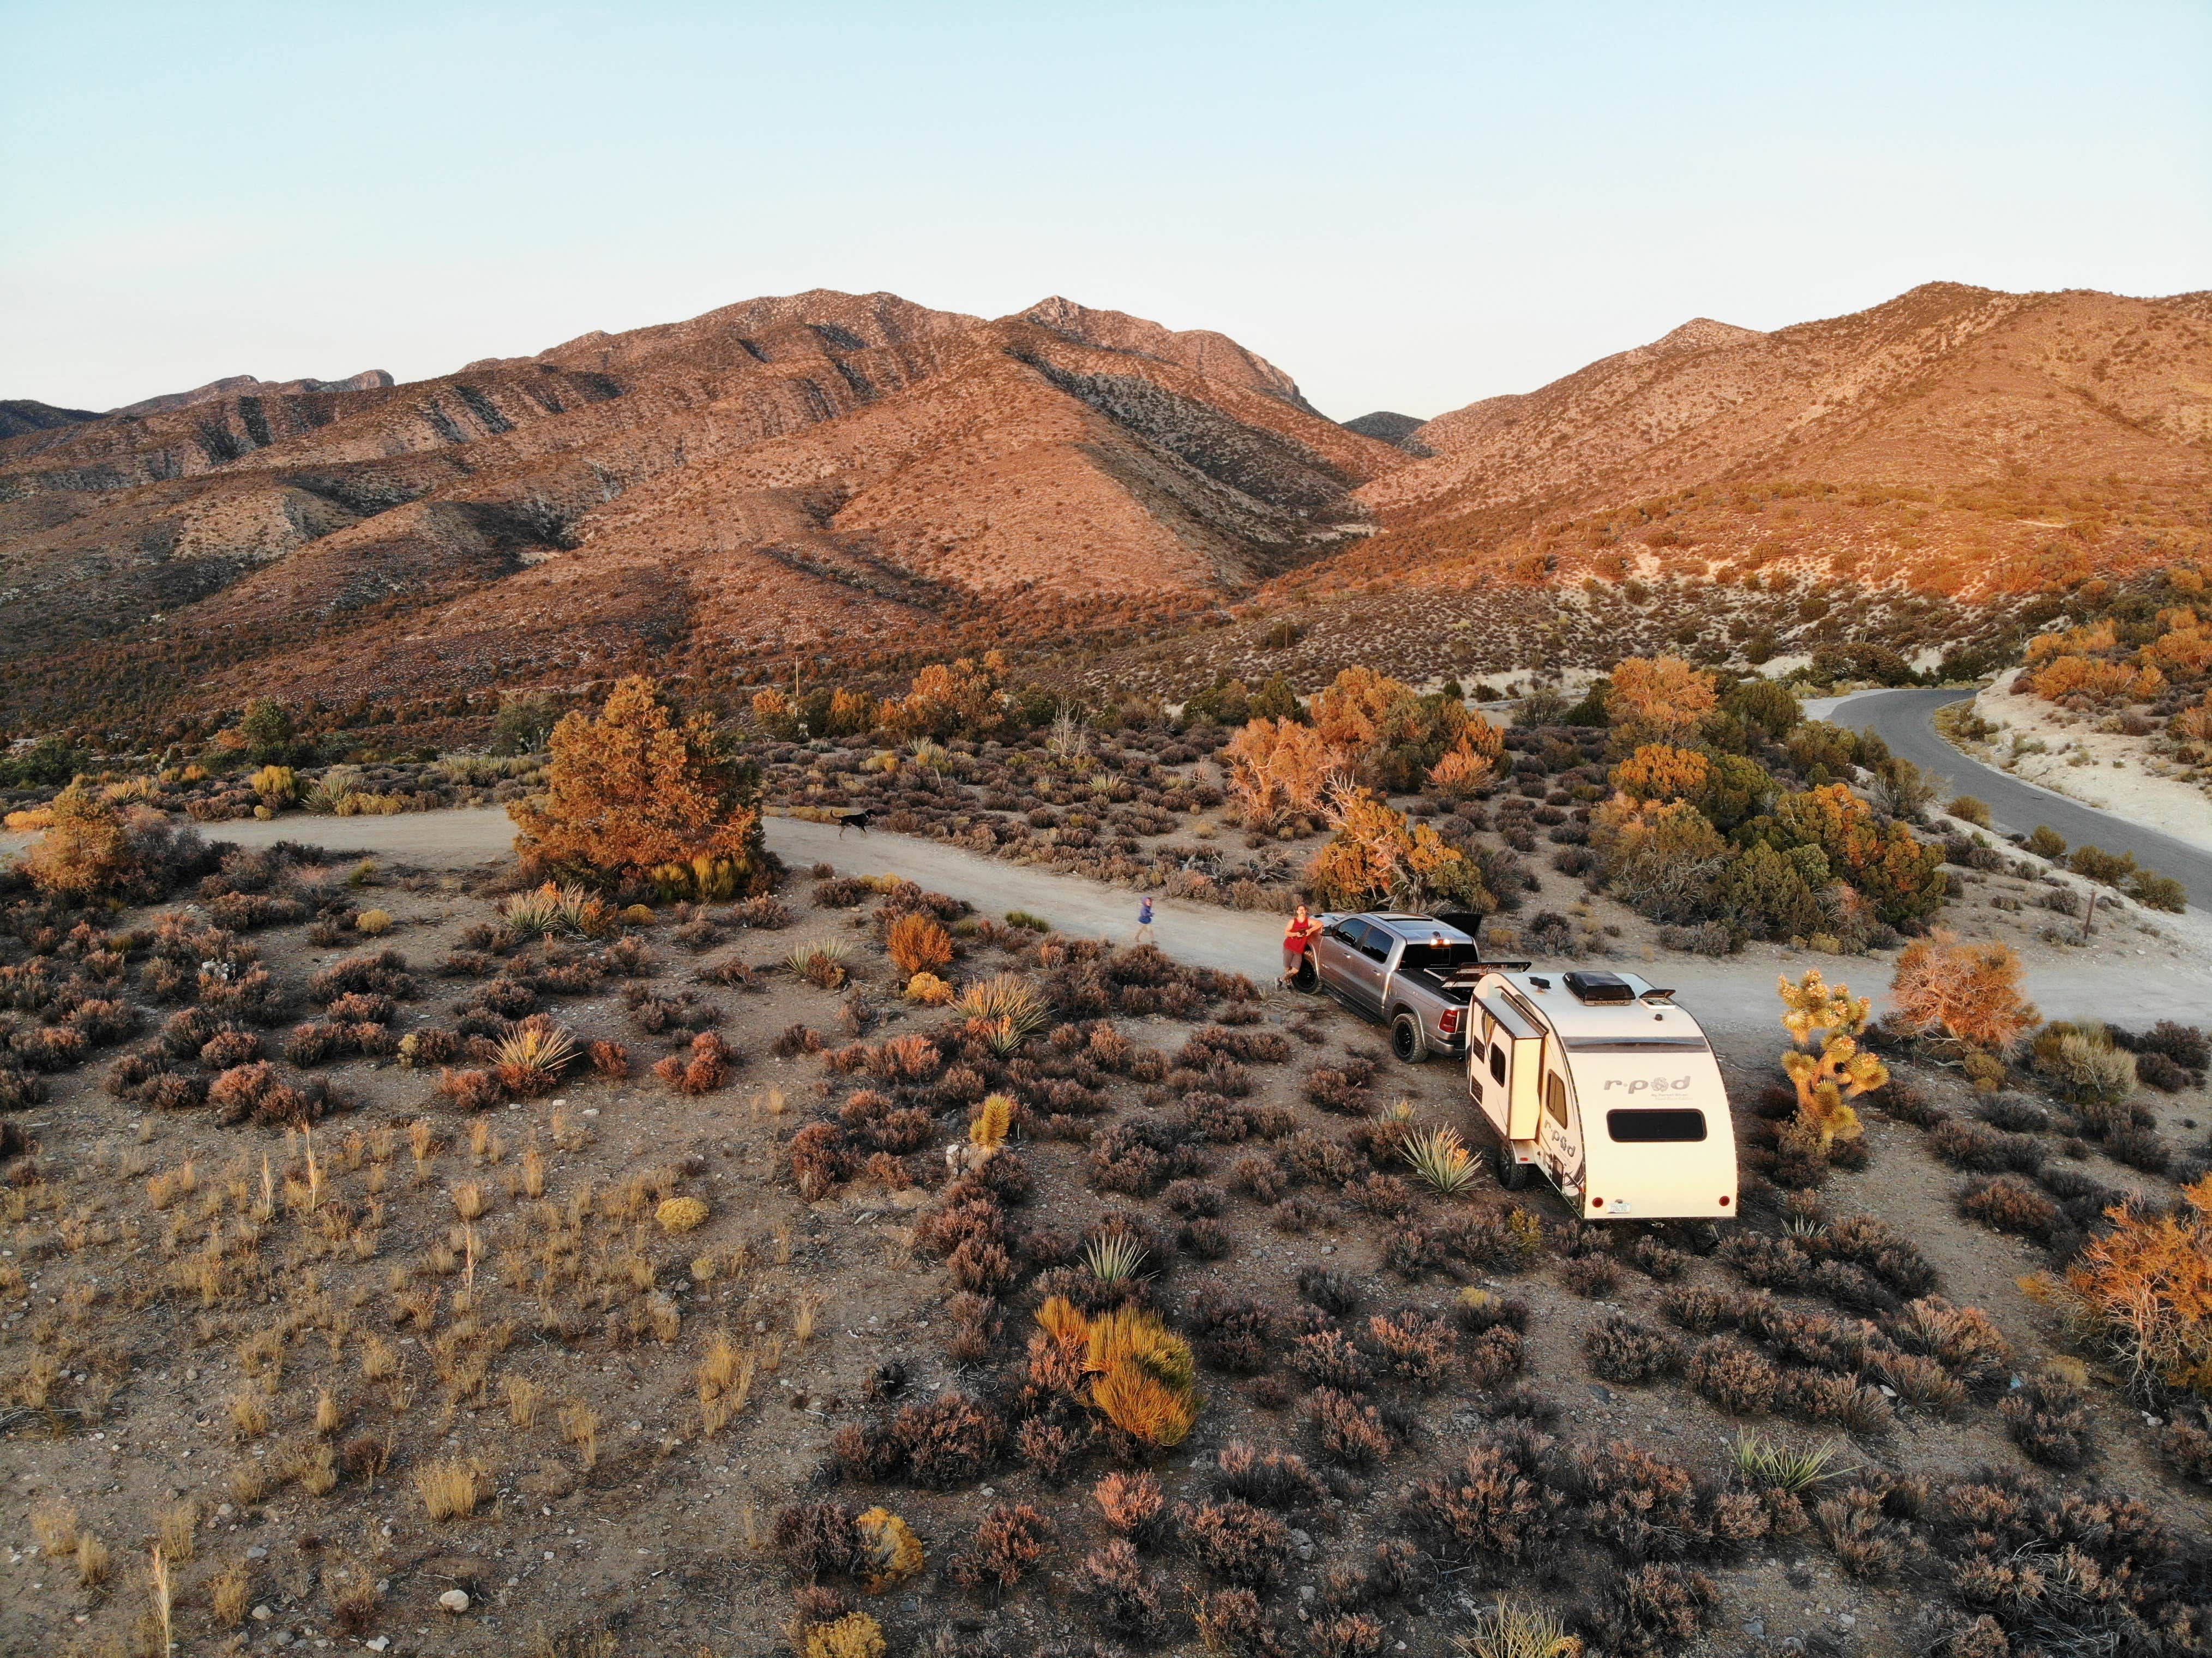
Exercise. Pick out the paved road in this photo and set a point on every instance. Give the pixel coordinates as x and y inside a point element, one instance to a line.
<point>1901,719</point>
<point>2115,980</point>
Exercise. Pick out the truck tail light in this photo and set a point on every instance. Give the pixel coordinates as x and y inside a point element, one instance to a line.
<point>1449,1023</point>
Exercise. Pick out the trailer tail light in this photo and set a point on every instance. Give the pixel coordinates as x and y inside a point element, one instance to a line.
<point>1724,1202</point>
<point>1449,1023</point>
<point>1597,1203</point>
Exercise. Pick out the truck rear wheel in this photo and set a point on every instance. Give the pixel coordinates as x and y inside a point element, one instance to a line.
<point>1512,1174</point>
<point>1407,1040</point>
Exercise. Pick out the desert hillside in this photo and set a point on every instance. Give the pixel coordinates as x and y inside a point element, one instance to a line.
<point>861,480</point>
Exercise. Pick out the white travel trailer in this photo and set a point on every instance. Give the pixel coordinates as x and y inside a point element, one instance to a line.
<point>1602,1082</point>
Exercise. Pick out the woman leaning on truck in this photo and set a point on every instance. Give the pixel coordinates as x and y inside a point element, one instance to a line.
<point>1297,939</point>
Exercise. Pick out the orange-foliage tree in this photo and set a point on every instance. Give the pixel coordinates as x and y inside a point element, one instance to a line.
<point>633,791</point>
<point>1377,857</point>
<point>1969,992</point>
<point>1470,761</point>
<point>85,850</point>
<point>1659,699</point>
<point>1277,767</point>
<point>950,699</point>
<point>1349,715</point>
<point>1659,771</point>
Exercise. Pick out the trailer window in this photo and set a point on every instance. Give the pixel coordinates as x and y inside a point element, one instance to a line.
<point>1654,1127</point>
<point>1498,1063</point>
<point>1555,1097</point>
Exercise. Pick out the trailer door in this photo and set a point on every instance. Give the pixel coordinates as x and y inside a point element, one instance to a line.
<point>1559,1140</point>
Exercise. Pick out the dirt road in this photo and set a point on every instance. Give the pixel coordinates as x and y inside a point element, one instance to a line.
<point>2117,981</point>
<point>1901,719</point>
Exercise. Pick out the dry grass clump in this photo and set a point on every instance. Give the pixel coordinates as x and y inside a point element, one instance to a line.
<point>450,1487</point>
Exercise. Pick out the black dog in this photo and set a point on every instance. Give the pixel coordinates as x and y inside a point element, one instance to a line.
<point>858,820</point>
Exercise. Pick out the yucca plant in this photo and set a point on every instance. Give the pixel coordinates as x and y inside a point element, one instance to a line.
<point>1114,1257</point>
<point>1766,1464</point>
<point>820,963</point>
<point>533,1054</point>
<point>1441,1158</point>
<point>1009,1002</point>
<point>1518,1629</point>
<point>534,915</point>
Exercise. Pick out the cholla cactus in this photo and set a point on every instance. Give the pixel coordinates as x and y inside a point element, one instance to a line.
<point>1839,1071</point>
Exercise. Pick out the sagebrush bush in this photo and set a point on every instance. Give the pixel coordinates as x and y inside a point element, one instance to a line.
<point>2048,1417</point>
<point>1734,1377</point>
<point>1619,1349</point>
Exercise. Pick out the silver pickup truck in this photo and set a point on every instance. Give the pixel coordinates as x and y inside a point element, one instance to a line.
<point>1413,973</point>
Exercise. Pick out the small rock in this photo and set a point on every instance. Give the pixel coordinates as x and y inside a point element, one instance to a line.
<point>1756,1629</point>
<point>257,1552</point>
<point>1848,1621</point>
<point>262,1614</point>
<point>379,1643</point>
<point>454,1601</point>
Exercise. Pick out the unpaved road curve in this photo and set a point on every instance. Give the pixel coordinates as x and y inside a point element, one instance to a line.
<point>1901,719</point>
<point>2117,981</point>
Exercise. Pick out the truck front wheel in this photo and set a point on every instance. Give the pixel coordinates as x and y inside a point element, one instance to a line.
<point>1512,1174</point>
<point>1407,1040</point>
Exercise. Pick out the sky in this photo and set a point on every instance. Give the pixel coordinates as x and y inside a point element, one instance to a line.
<point>1406,207</point>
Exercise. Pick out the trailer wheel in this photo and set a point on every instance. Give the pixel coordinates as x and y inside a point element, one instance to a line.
<point>1511,1174</point>
<point>1407,1040</point>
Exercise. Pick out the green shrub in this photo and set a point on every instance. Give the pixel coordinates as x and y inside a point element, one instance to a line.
<point>2047,842</point>
<point>1973,810</point>
<point>2080,1062</point>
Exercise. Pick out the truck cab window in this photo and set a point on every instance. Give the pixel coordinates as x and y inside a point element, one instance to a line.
<point>1498,1063</point>
<point>1555,1097</point>
<point>1375,946</point>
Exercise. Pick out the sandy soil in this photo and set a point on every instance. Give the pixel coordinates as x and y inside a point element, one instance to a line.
<point>2118,773</point>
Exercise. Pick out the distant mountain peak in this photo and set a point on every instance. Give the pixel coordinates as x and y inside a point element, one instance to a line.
<point>246,385</point>
<point>1391,428</point>
<point>1215,355</point>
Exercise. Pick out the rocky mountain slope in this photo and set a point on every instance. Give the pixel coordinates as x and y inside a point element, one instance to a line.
<point>247,386</point>
<point>862,480</point>
<point>818,471</point>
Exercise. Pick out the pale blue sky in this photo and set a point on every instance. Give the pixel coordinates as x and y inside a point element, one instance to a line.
<point>1405,206</point>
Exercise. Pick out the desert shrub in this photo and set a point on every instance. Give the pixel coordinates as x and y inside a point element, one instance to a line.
<point>1269,1479</point>
<point>2008,1203</point>
<point>1010,1541</point>
<point>918,945</point>
<point>1119,1584</point>
<point>1866,1542</point>
<point>706,1068</point>
<point>2143,1290</point>
<point>1349,1430</point>
<point>1973,1145</point>
<point>816,1539</point>
<point>1619,1349</point>
<point>1735,1378</point>
<point>1329,1357</point>
<point>2185,1442</point>
<point>1593,1277</point>
<point>949,1441</point>
<point>632,792</point>
<point>1657,1608</point>
<point>1496,1506</point>
<point>1968,991</point>
<point>2080,1062</point>
<point>2048,1417</point>
<point>1234,1540</point>
<point>1131,1504</point>
<point>1964,1341</point>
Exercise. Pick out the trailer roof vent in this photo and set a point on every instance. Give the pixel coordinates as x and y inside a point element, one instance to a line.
<point>1599,987</point>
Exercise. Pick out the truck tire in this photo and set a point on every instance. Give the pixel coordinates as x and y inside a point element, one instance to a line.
<point>1512,1174</point>
<point>1407,1040</point>
<point>1307,980</point>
